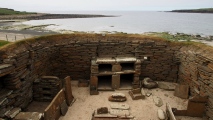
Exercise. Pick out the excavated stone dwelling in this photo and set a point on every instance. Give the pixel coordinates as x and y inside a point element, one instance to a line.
<point>24,62</point>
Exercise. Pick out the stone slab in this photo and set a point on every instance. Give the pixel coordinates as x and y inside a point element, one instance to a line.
<point>182,91</point>
<point>115,81</point>
<point>68,90</point>
<point>125,59</point>
<point>118,112</point>
<point>64,108</point>
<point>116,67</point>
<point>29,116</point>
<point>167,85</point>
<point>121,106</point>
<point>169,112</point>
<point>13,112</point>
<point>105,60</point>
<point>3,66</point>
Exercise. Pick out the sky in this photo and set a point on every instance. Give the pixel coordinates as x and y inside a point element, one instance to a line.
<point>104,5</point>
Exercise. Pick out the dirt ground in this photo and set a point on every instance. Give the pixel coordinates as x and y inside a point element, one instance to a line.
<point>85,104</point>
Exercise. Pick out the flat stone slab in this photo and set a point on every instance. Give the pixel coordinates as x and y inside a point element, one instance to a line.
<point>121,106</point>
<point>3,66</point>
<point>105,60</point>
<point>29,116</point>
<point>104,115</point>
<point>182,91</point>
<point>167,85</point>
<point>13,112</point>
<point>169,112</point>
<point>5,92</point>
<point>118,95</point>
<point>64,108</point>
<point>3,101</point>
<point>125,59</point>
<point>118,112</point>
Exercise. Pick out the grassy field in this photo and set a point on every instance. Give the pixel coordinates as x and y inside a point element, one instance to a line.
<point>6,11</point>
<point>3,42</point>
<point>168,36</point>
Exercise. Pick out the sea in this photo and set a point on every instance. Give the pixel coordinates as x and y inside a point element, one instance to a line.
<point>133,22</point>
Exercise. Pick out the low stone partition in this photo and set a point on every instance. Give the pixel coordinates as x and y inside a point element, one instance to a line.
<point>22,62</point>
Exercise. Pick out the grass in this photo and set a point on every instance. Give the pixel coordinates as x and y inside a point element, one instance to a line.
<point>3,42</point>
<point>6,11</point>
<point>171,37</point>
<point>65,38</point>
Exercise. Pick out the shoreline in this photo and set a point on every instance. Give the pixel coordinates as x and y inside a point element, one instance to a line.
<point>41,16</point>
<point>13,30</point>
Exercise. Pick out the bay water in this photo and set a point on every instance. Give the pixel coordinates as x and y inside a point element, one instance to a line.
<point>133,22</point>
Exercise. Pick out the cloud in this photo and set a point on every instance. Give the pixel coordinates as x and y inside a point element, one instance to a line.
<point>45,5</point>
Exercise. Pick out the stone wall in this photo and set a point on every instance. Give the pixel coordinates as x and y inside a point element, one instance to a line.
<point>196,70</point>
<point>70,55</point>
<point>77,55</point>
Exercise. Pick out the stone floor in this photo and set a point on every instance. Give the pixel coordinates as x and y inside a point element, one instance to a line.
<point>85,104</point>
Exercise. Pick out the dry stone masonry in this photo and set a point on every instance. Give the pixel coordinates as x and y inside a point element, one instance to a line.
<point>114,72</point>
<point>23,62</point>
<point>45,88</point>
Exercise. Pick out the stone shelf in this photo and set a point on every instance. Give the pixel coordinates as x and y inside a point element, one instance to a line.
<point>110,73</point>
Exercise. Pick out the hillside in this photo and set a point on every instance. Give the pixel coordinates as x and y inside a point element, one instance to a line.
<point>202,10</point>
<point>6,11</point>
<point>10,14</point>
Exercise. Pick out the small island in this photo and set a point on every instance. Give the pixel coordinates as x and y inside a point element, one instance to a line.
<point>201,10</point>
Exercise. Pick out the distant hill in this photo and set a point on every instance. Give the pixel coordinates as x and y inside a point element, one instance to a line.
<point>202,10</point>
<point>6,11</point>
<point>10,14</point>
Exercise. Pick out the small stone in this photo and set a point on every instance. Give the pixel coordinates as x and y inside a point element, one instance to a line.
<point>149,83</point>
<point>158,101</point>
<point>148,94</point>
<point>161,114</point>
<point>102,110</point>
<point>166,95</point>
